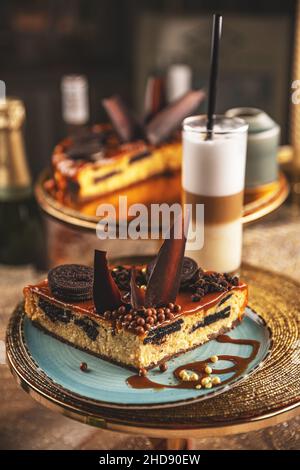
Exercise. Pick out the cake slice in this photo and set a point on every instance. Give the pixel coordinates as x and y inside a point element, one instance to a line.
<point>112,157</point>
<point>122,338</point>
<point>137,317</point>
<point>101,164</point>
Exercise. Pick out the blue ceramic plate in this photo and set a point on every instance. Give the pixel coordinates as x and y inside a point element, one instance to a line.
<point>107,384</point>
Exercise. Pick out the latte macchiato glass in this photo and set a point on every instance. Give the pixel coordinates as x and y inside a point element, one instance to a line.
<point>213,174</point>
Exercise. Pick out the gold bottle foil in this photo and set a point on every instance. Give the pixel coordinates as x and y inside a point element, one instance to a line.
<point>15,180</point>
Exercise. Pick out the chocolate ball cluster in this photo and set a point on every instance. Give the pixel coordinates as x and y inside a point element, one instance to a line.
<point>206,283</point>
<point>122,275</point>
<point>142,319</point>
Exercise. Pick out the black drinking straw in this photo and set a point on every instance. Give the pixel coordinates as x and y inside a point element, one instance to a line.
<point>214,62</point>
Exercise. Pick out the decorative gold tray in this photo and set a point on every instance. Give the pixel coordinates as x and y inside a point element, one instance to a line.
<point>167,189</point>
<point>267,397</point>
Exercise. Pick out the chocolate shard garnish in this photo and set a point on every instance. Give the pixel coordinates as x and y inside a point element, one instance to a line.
<point>170,118</point>
<point>164,280</point>
<point>137,295</point>
<point>155,97</point>
<point>124,122</point>
<point>105,291</point>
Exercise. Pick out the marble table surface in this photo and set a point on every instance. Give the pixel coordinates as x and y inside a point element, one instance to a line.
<point>273,243</point>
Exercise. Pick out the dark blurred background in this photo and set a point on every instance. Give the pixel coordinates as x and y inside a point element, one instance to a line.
<point>117,43</point>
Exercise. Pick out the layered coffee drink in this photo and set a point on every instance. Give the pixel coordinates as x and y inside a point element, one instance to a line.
<point>214,175</point>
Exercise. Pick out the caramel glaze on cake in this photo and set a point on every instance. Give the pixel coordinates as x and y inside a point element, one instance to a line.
<point>133,343</point>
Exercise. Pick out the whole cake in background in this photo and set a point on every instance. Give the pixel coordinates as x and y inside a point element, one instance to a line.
<point>137,316</point>
<point>112,156</point>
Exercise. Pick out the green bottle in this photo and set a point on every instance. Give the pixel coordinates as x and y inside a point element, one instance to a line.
<point>21,234</point>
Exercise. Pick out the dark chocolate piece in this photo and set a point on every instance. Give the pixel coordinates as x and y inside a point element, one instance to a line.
<point>189,270</point>
<point>222,301</point>
<point>137,298</point>
<point>170,118</point>
<point>105,291</point>
<point>89,326</point>
<point>155,97</point>
<point>164,280</point>
<point>157,336</point>
<point>209,282</point>
<point>209,319</point>
<point>125,124</point>
<point>71,282</point>
<point>55,313</point>
<point>90,151</point>
<point>139,156</point>
<point>107,175</point>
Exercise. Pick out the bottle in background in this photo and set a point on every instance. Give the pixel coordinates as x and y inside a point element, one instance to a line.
<point>179,81</point>
<point>21,235</point>
<point>75,103</point>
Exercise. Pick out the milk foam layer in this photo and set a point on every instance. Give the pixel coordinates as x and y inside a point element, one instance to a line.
<point>213,167</point>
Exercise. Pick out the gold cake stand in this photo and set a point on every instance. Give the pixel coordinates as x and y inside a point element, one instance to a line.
<point>267,397</point>
<point>157,190</point>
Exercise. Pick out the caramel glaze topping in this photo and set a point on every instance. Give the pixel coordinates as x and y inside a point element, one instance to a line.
<point>143,320</point>
<point>239,365</point>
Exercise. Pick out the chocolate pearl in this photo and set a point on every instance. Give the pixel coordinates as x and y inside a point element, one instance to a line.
<point>154,311</point>
<point>150,320</point>
<point>107,315</point>
<point>160,310</point>
<point>177,308</point>
<point>121,309</point>
<point>83,366</point>
<point>163,367</point>
<point>167,310</point>
<point>132,324</point>
<point>143,372</point>
<point>169,315</point>
<point>170,306</point>
<point>147,327</point>
<point>140,321</point>
<point>149,312</point>
<point>128,317</point>
<point>195,298</point>
<point>161,317</point>
<point>115,314</point>
<point>140,330</point>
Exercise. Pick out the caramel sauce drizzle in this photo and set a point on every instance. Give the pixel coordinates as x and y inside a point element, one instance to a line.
<point>239,365</point>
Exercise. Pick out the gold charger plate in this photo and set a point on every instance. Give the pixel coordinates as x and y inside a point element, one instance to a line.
<point>156,190</point>
<point>267,397</point>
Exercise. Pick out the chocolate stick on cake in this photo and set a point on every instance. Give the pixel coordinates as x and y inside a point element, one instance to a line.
<point>114,318</point>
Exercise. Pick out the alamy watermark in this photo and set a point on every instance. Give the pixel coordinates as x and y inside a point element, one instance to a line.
<point>138,221</point>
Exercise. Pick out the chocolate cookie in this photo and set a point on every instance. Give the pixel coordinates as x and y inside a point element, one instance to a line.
<point>71,282</point>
